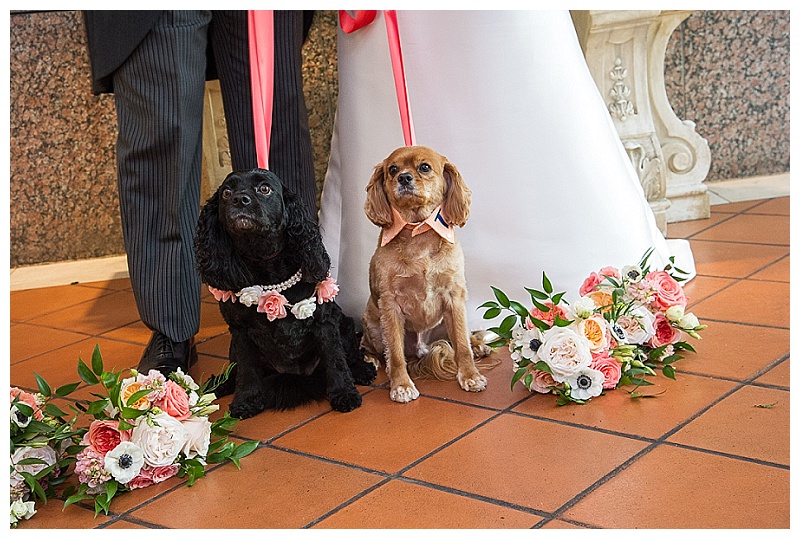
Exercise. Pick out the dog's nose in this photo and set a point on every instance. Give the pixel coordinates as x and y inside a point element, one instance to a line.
<point>241,199</point>
<point>405,179</point>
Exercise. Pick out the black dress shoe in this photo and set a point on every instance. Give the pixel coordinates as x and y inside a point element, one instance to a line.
<point>166,355</point>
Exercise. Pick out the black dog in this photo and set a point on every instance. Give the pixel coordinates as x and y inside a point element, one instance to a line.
<point>290,342</point>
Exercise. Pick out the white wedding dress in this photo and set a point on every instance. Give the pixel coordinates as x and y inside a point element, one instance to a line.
<point>507,97</point>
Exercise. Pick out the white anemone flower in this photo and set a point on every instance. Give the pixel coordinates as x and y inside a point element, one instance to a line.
<point>20,419</point>
<point>124,462</point>
<point>585,384</point>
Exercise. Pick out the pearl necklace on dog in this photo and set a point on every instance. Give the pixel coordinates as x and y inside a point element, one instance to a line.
<point>271,302</point>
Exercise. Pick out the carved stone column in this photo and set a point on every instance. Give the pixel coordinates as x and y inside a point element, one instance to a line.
<point>625,54</point>
<point>216,150</point>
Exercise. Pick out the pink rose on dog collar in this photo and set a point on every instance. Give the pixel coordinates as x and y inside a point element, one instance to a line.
<point>273,304</point>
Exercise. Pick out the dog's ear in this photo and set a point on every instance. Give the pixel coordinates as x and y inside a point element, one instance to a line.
<point>304,238</point>
<point>217,261</point>
<point>457,197</point>
<point>377,205</point>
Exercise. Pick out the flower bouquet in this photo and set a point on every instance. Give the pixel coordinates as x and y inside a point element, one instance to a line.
<point>43,445</point>
<point>623,326</point>
<point>145,429</point>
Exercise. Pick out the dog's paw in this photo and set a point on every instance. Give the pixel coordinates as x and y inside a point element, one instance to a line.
<point>363,371</point>
<point>243,410</point>
<point>345,400</point>
<point>404,393</point>
<point>478,343</point>
<point>473,382</point>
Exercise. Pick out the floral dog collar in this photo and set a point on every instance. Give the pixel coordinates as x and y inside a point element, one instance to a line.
<point>271,302</point>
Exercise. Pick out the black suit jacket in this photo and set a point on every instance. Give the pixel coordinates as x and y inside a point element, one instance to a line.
<point>113,35</point>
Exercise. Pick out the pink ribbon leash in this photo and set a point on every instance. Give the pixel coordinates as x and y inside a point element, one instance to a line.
<point>261,38</point>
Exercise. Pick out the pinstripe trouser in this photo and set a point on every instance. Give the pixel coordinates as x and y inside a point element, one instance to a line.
<point>159,100</point>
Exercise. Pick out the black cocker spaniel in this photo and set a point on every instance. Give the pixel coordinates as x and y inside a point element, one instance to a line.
<point>261,255</point>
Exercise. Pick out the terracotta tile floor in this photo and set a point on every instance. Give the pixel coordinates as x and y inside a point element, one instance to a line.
<point>704,454</point>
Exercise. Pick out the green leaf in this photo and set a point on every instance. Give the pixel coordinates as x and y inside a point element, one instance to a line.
<point>53,410</point>
<point>65,390</point>
<point>557,298</point>
<point>548,287</point>
<point>517,376</point>
<point>669,371</point>
<point>44,387</point>
<point>507,325</point>
<point>542,366</point>
<point>488,305</point>
<point>536,294</point>
<point>244,449</point>
<point>541,306</point>
<point>492,313</point>
<point>97,360</point>
<point>528,380</point>
<point>519,308</point>
<point>86,373</point>
<point>681,345</point>
<point>539,323</point>
<point>497,343</point>
<point>501,297</point>
<point>97,407</point>
<point>111,489</point>
<point>138,395</point>
<point>131,413</point>
<point>561,322</point>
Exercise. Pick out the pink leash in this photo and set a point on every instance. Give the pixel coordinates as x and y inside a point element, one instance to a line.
<point>350,24</point>
<point>261,37</point>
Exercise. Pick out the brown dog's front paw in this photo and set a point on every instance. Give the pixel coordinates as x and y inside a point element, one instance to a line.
<point>404,392</point>
<point>474,382</point>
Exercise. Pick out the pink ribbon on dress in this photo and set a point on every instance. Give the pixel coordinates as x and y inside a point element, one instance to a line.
<point>261,39</point>
<point>362,18</point>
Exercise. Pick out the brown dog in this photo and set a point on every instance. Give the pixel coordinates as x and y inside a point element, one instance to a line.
<point>416,274</point>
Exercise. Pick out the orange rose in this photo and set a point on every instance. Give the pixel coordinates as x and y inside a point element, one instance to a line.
<point>594,329</point>
<point>602,299</point>
<point>103,436</point>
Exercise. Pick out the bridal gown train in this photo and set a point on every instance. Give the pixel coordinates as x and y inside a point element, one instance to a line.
<point>507,97</point>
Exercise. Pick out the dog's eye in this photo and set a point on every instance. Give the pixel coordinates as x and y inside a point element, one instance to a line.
<point>393,169</point>
<point>424,168</point>
<point>264,189</point>
<point>227,192</point>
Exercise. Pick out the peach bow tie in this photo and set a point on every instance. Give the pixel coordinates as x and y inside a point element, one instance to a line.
<point>434,222</point>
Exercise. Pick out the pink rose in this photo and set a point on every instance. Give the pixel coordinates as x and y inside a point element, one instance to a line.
<point>273,305</point>
<point>665,333</point>
<point>542,381</point>
<point>547,317</point>
<point>175,401</point>
<point>327,290</point>
<point>222,295</point>
<point>590,283</point>
<point>610,367</point>
<point>150,475</point>
<point>104,435</point>
<point>28,399</point>
<point>668,291</point>
<point>610,271</point>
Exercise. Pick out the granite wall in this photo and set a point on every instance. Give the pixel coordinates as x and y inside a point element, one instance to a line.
<point>728,71</point>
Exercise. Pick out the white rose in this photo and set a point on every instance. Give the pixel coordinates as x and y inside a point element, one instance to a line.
<point>250,295</point>
<point>45,454</point>
<point>21,510</point>
<point>161,438</point>
<point>688,321</point>
<point>124,462</point>
<point>565,352</point>
<point>304,309</point>
<point>583,307</point>
<point>638,325</point>
<point>674,313</point>
<point>199,437</point>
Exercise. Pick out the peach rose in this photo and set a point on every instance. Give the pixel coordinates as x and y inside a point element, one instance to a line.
<point>602,299</point>
<point>127,391</point>
<point>104,435</point>
<point>665,333</point>
<point>149,475</point>
<point>273,305</point>
<point>668,291</point>
<point>610,271</point>
<point>595,330</point>
<point>610,367</point>
<point>28,399</point>
<point>175,401</point>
